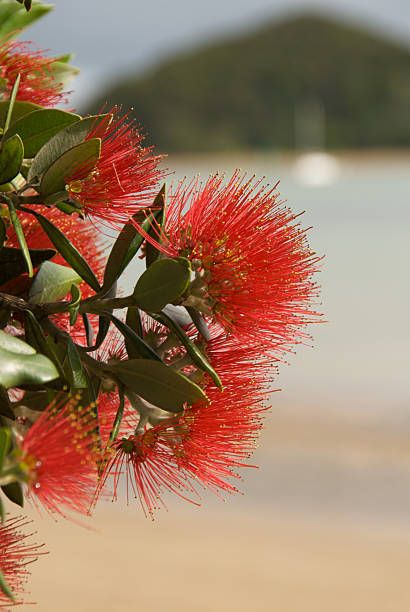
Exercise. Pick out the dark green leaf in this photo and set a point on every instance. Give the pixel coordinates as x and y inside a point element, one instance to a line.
<point>20,236</point>
<point>2,518</point>
<point>21,365</point>
<point>36,129</point>
<point>11,158</point>
<point>124,250</point>
<point>20,110</point>
<point>118,417</point>
<point>79,379</point>
<point>152,253</point>
<point>193,351</point>
<point>103,327</point>
<point>36,338</point>
<point>62,142</point>
<point>67,250</point>
<point>89,332</point>
<point>74,304</point>
<point>162,283</point>
<point>12,101</point>
<point>14,492</point>
<point>136,347</point>
<point>157,383</point>
<point>5,441</point>
<point>133,320</point>
<point>78,161</point>
<point>12,262</point>
<point>52,283</point>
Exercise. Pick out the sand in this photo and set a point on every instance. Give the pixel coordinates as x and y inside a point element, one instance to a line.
<point>210,562</point>
<point>271,550</point>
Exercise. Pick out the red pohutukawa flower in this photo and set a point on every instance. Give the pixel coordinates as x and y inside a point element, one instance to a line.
<point>37,82</point>
<point>124,179</point>
<point>205,444</point>
<point>150,469</point>
<point>16,553</point>
<point>59,454</point>
<point>252,262</point>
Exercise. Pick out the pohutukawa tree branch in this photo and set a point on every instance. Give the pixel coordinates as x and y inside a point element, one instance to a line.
<point>164,389</point>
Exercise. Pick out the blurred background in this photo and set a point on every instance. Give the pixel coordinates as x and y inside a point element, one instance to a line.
<point>316,95</point>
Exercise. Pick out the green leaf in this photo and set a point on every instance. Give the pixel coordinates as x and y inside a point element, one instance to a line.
<point>103,327</point>
<point>5,587</point>
<point>74,304</point>
<point>36,338</point>
<point>14,492</point>
<point>162,283</point>
<point>136,347</point>
<point>2,518</point>
<point>12,101</point>
<point>89,332</point>
<point>157,383</point>
<point>62,142</point>
<point>15,345</point>
<point>124,250</point>
<point>20,236</point>
<point>36,129</point>
<point>78,376</point>
<point>14,18</point>
<point>78,161</point>
<point>133,320</point>
<point>13,263</point>
<point>20,110</point>
<point>21,365</point>
<point>152,253</point>
<point>5,441</point>
<point>193,351</point>
<point>11,158</point>
<point>52,283</point>
<point>67,250</point>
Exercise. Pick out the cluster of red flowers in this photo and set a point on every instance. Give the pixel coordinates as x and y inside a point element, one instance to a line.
<point>16,553</point>
<point>252,283</point>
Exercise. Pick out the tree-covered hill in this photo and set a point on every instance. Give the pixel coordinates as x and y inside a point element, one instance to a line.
<point>251,92</point>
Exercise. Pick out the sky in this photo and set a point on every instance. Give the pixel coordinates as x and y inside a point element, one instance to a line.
<point>112,38</point>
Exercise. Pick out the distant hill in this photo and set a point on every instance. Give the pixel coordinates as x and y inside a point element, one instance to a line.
<point>246,92</point>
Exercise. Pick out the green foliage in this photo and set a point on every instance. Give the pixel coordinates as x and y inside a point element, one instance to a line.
<point>77,162</point>
<point>68,251</point>
<point>157,383</point>
<point>21,365</point>
<point>15,18</point>
<point>62,142</point>
<point>124,249</point>
<point>244,92</point>
<point>11,158</point>
<point>20,109</point>
<point>164,282</point>
<point>52,282</point>
<point>13,263</point>
<point>36,128</point>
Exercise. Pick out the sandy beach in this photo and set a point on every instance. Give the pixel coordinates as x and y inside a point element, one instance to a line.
<point>264,551</point>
